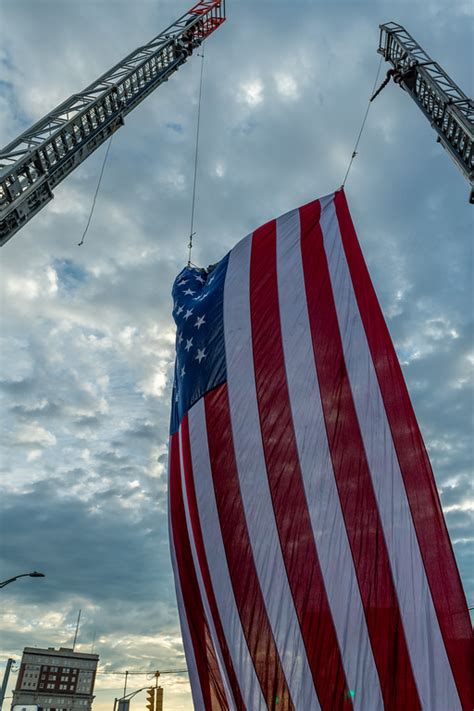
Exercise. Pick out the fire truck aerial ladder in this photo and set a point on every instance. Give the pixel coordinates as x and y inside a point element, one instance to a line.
<point>34,163</point>
<point>448,109</point>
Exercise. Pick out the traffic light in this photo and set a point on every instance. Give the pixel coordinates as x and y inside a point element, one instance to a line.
<point>150,698</point>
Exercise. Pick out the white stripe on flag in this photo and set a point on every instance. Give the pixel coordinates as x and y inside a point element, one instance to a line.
<point>253,480</point>
<point>327,520</point>
<point>210,620</point>
<point>217,560</point>
<point>428,656</point>
<point>198,699</point>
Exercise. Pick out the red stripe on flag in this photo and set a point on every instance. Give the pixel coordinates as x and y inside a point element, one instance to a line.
<point>285,480</point>
<point>435,545</point>
<point>245,583</point>
<point>209,674</point>
<point>199,543</point>
<point>353,480</point>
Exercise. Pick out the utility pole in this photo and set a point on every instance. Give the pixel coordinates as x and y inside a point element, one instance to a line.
<point>5,680</point>
<point>158,693</point>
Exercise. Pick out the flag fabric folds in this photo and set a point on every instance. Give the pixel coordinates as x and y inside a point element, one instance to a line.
<point>312,563</point>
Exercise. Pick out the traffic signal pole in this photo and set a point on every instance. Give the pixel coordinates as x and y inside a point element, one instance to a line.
<point>154,697</point>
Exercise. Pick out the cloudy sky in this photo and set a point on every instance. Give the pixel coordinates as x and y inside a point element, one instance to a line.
<point>87,335</point>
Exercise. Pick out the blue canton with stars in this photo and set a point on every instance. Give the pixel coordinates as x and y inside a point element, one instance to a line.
<point>198,297</point>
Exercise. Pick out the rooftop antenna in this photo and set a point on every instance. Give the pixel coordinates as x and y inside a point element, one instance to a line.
<point>77,630</point>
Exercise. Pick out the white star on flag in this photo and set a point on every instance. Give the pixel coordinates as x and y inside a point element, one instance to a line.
<point>182,282</point>
<point>188,313</point>
<point>189,292</point>
<point>183,372</point>
<point>200,279</point>
<point>189,343</point>
<point>200,322</point>
<point>200,354</point>
<point>180,338</point>
<point>179,310</point>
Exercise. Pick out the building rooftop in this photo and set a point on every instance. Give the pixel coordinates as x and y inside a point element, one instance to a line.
<point>61,652</point>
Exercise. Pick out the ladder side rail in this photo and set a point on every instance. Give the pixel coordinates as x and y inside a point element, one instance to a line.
<point>432,80</point>
<point>435,102</point>
<point>401,50</point>
<point>72,141</point>
<point>123,97</point>
<point>454,131</point>
<point>130,63</point>
<point>449,110</point>
<point>59,154</point>
<point>398,46</point>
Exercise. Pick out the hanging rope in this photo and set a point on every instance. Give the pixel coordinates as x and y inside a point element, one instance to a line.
<point>196,155</point>
<point>96,191</point>
<point>354,152</point>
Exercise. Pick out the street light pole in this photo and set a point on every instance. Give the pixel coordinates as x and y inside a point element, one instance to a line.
<point>34,574</point>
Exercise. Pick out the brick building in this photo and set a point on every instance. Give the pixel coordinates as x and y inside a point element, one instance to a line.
<point>55,680</point>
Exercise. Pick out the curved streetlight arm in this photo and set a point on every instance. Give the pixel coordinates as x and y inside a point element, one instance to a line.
<point>129,696</point>
<point>132,694</point>
<point>34,574</point>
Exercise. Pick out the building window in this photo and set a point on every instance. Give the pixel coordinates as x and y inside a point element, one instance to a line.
<point>50,686</point>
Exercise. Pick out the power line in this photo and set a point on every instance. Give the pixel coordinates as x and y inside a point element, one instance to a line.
<point>148,671</point>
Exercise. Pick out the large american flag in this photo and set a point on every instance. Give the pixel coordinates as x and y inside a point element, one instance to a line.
<point>312,563</point>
